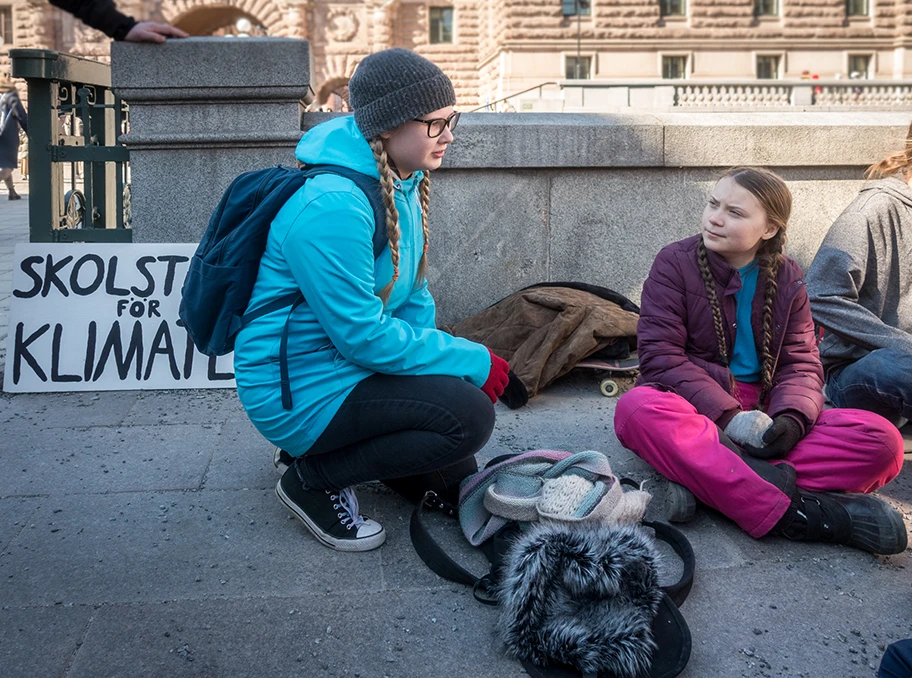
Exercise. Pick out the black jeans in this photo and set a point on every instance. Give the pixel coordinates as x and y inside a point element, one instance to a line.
<point>412,433</point>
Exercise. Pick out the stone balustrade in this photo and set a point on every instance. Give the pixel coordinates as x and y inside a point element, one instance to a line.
<point>669,95</point>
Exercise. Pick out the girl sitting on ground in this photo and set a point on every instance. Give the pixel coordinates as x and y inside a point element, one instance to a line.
<point>377,392</point>
<point>729,402</point>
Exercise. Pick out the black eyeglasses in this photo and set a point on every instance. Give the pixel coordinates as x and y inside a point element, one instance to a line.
<point>436,126</point>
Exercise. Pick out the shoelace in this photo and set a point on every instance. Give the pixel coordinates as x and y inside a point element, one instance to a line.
<point>348,502</point>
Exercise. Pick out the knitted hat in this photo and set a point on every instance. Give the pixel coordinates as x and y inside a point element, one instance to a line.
<point>394,86</point>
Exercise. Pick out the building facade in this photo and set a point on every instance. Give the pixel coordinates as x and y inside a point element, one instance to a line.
<point>494,48</point>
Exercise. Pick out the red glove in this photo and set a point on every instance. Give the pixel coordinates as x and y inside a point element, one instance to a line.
<point>498,377</point>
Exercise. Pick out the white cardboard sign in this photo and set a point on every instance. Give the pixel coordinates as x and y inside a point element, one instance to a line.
<point>103,317</point>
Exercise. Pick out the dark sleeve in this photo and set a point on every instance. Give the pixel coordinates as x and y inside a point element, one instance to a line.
<point>100,15</point>
<point>661,341</point>
<point>21,115</point>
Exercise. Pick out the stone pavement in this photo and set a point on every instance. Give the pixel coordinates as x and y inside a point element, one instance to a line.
<point>13,229</point>
<point>140,536</point>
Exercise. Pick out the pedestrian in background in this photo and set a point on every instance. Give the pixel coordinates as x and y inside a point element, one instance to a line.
<point>12,117</point>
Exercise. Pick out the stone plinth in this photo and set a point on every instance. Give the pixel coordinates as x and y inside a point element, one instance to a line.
<point>203,110</point>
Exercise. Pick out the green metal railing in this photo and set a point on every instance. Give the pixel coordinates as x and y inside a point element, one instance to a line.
<point>78,170</point>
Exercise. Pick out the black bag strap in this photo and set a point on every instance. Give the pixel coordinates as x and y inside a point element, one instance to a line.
<point>437,559</point>
<point>443,565</point>
<point>679,543</point>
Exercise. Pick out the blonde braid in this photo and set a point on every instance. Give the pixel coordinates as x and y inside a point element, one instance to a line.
<point>424,189</point>
<point>710,285</point>
<point>387,190</point>
<point>770,261</point>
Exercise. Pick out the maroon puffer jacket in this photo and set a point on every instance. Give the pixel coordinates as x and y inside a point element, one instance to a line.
<point>677,340</point>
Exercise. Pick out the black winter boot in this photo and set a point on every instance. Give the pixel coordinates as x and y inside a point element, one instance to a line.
<point>680,503</point>
<point>862,521</point>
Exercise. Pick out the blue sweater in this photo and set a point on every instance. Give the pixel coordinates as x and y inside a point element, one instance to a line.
<point>745,364</point>
<point>321,243</point>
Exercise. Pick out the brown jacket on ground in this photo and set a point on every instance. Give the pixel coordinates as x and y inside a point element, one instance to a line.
<point>545,331</point>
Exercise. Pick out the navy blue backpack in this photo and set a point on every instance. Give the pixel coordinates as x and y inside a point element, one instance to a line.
<point>223,270</point>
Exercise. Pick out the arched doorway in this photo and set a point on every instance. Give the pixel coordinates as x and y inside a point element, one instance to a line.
<point>220,21</point>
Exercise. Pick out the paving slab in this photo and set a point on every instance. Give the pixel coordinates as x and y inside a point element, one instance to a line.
<point>55,410</point>
<point>59,460</point>
<point>242,458</point>
<point>374,635</point>
<point>795,619</point>
<point>40,641</point>
<point>14,517</point>
<point>208,406</point>
<point>130,547</point>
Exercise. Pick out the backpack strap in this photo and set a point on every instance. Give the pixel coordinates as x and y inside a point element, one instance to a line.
<point>371,189</point>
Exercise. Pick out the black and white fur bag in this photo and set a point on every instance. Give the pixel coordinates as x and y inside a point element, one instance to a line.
<point>585,597</point>
<point>577,600</point>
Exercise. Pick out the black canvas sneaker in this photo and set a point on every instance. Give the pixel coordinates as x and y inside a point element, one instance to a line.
<point>330,515</point>
<point>281,459</point>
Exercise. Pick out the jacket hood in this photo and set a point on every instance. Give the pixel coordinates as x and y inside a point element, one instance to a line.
<point>895,186</point>
<point>337,142</point>
<point>340,142</point>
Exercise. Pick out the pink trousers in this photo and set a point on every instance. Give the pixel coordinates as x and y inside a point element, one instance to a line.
<point>846,450</point>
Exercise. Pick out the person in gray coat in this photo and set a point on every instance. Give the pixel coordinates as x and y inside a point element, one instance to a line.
<point>860,287</point>
<point>12,116</point>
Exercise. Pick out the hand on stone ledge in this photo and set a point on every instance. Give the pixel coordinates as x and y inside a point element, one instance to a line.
<point>149,31</point>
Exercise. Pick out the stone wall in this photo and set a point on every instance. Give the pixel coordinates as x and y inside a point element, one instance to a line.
<point>521,198</point>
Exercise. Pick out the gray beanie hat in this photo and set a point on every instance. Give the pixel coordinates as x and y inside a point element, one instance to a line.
<point>394,86</point>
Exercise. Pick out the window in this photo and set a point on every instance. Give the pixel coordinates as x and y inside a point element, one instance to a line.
<point>768,67</point>
<point>766,7</point>
<point>674,67</point>
<point>576,7</point>
<point>859,65</point>
<point>857,7</point>
<point>6,25</point>
<point>672,7</point>
<point>578,68</point>
<point>441,25</point>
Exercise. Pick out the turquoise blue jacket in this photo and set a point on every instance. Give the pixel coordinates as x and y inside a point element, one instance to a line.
<point>321,243</point>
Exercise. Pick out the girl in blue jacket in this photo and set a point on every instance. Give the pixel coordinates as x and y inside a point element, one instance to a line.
<point>378,393</point>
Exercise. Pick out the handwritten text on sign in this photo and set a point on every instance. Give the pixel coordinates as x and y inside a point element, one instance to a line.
<point>92,317</point>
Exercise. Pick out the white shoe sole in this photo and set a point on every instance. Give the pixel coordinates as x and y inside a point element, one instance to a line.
<point>349,545</point>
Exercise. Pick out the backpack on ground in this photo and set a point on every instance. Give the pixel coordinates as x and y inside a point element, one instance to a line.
<point>572,568</point>
<point>223,271</point>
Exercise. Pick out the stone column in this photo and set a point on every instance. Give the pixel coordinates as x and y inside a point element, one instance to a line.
<point>383,14</point>
<point>203,110</point>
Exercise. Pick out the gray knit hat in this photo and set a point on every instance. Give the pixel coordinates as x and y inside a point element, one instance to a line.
<point>394,86</point>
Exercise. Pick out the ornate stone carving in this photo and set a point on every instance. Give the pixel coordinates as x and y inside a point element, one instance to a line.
<point>342,25</point>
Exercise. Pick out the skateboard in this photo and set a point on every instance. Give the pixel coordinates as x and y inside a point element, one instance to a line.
<point>611,370</point>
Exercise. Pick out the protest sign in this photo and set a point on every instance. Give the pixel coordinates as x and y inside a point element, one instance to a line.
<point>99,317</point>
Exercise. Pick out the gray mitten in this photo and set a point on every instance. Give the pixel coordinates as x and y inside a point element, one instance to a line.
<point>747,428</point>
